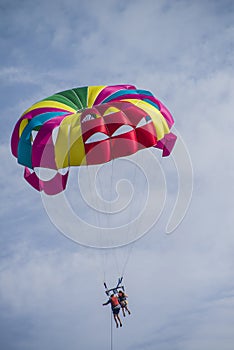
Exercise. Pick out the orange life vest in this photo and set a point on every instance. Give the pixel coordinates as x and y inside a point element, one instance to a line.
<point>114,301</point>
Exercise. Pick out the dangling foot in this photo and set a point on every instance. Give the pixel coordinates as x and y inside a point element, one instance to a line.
<point>129,312</point>
<point>121,325</point>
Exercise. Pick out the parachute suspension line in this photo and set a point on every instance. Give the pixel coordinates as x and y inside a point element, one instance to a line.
<point>129,247</point>
<point>114,249</point>
<point>103,251</point>
<point>139,156</point>
<point>109,255</point>
<point>89,170</point>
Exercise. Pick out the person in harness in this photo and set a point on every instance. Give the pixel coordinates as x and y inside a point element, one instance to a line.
<point>115,306</point>
<point>123,302</point>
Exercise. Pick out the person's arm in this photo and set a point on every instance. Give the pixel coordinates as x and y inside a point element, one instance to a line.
<point>108,301</point>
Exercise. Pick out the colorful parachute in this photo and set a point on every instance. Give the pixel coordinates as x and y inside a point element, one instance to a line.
<point>85,126</point>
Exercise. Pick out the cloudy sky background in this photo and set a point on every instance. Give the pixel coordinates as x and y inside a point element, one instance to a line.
<point>181,286</point>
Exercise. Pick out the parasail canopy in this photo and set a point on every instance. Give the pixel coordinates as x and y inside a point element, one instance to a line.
<point>86,126</point>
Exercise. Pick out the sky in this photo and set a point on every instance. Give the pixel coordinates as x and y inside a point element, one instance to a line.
<point>180,286</point>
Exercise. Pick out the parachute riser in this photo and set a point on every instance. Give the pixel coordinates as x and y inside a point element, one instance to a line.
<point>115,289</point>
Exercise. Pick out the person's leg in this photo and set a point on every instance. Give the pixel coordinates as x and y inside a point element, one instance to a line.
<point>123,311</point>
<point>115,318</point>
<point>127,310</point>
<point>120,323</point>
